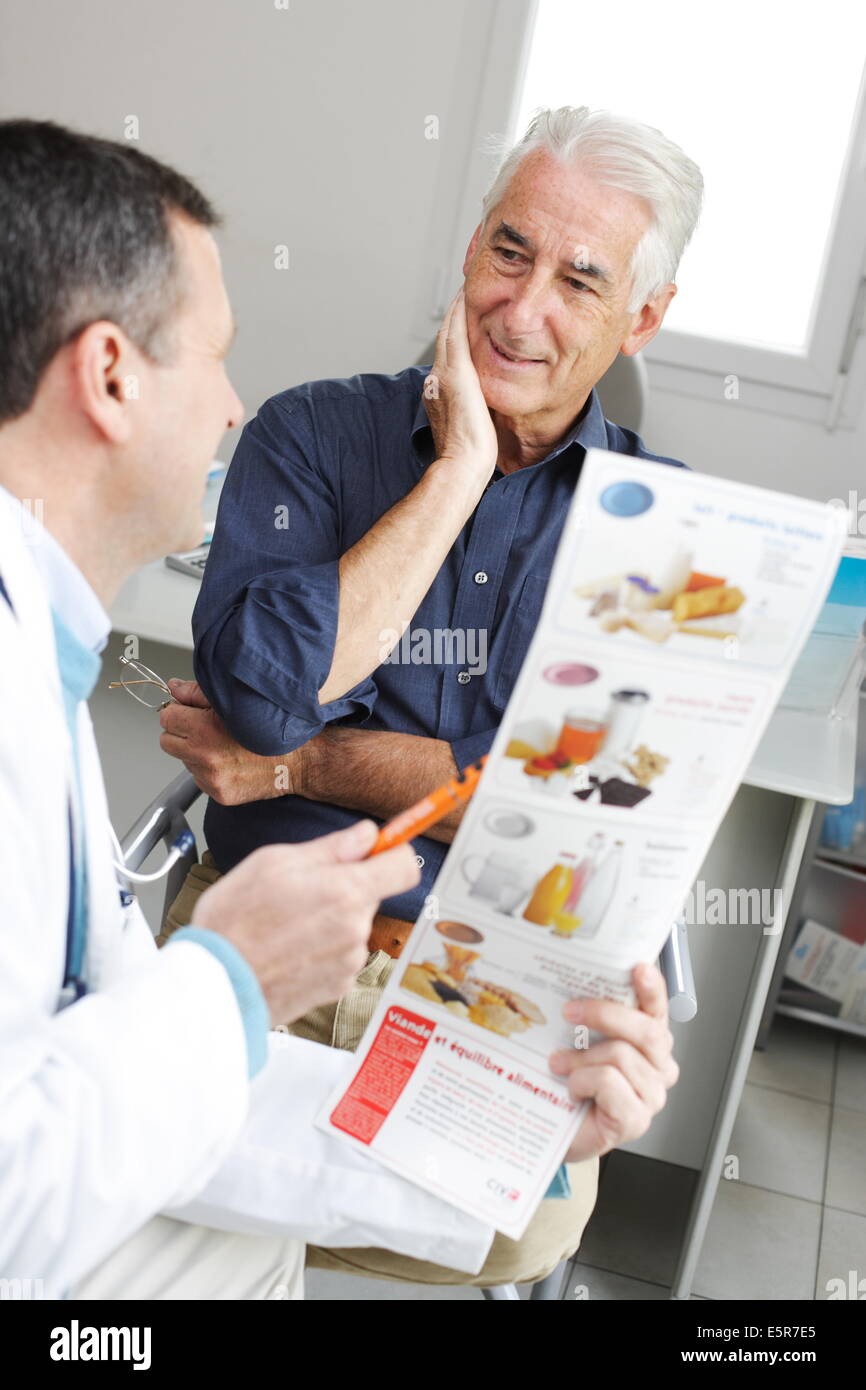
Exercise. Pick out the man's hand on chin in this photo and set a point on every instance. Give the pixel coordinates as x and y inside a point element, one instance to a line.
<point>230,774</point>
<point>628,1074</point>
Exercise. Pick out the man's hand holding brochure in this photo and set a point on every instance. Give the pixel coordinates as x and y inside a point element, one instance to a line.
<point>675,610</point>
<point>627,1074</point>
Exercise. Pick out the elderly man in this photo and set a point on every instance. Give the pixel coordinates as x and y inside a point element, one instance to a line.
<point>347,515</point>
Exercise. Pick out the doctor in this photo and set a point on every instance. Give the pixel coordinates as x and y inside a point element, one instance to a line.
<point>125,1071</point>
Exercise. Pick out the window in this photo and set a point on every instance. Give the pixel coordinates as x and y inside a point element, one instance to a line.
<point>764,105</point>
<point>768,99</point>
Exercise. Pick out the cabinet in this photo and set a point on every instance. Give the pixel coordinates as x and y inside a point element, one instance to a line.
<point>831,890</point>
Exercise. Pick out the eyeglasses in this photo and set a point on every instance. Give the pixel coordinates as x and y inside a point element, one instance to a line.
<point>153,689</point>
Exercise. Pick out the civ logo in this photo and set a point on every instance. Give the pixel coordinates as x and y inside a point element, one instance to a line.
<point>508,1194</point>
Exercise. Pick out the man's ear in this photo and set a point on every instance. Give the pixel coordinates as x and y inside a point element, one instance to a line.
<point>648,321</point>
<point>472,247</point>
<point>104,379</point>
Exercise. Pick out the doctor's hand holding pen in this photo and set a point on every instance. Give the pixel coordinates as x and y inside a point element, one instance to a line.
<point>301,915</point>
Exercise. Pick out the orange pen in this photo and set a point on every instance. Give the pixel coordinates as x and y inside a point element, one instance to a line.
<point>430,809</point>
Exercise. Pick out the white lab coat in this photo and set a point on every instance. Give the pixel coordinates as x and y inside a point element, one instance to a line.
<point>127,1102</point>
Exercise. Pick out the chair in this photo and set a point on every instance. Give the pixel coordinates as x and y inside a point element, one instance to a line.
<point>165,818</point>
<point>624,390</point>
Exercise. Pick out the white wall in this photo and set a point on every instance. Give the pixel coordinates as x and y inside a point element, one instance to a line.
<point>306,126</point>
<point>734,440</point>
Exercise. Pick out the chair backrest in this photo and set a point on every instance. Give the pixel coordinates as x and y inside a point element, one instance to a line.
<point>623,391</point>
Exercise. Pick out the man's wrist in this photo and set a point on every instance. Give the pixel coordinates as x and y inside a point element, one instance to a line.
<point>462,479</point>
<point>305,765</point>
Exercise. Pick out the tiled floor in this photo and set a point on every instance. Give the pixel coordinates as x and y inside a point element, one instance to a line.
<point>790,1219</point>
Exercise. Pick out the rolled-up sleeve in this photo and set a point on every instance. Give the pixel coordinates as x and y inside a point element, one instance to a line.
<point>474,746</point>
<point>265,624</point>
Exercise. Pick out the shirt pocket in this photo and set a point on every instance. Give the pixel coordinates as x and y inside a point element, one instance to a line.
<point>518,630</point>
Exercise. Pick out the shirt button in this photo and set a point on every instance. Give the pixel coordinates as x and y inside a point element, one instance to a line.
<point>481,577</point>
<point>464,677</point>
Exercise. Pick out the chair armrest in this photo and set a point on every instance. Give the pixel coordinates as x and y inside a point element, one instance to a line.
<point>675,963</point>
<point>163,819</point>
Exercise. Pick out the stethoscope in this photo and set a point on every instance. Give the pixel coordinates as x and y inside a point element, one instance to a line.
<point>74,987</point>
<point>180,846</point>
<point>185,841</point>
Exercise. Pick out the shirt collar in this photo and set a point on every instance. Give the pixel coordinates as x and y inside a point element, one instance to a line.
<point>589,431</point>
<point>79,665</point>
<point>69,593</point>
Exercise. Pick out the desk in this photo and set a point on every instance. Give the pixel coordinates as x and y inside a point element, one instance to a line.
<point>760,844</point>
<point>156,605</point>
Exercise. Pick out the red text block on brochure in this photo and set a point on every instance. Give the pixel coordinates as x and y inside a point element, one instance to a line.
<point>395,1053</point>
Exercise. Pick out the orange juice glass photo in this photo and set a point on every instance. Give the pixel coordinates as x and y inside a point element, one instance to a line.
<point>551,892</point>
<point>581,737</point>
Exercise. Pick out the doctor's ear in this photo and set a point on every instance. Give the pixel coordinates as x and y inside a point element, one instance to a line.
<point>105,382</point>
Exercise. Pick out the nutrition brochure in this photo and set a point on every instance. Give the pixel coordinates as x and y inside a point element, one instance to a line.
<point>675,610</point>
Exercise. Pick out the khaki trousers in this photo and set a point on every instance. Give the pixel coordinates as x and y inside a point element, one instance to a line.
<point>170,1259</point>
<point>555,1231</point>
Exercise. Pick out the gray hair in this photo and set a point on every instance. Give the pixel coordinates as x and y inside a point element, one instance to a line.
<point>621,153</point>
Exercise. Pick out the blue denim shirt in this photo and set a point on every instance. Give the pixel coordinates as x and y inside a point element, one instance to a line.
<point>312,473</point>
